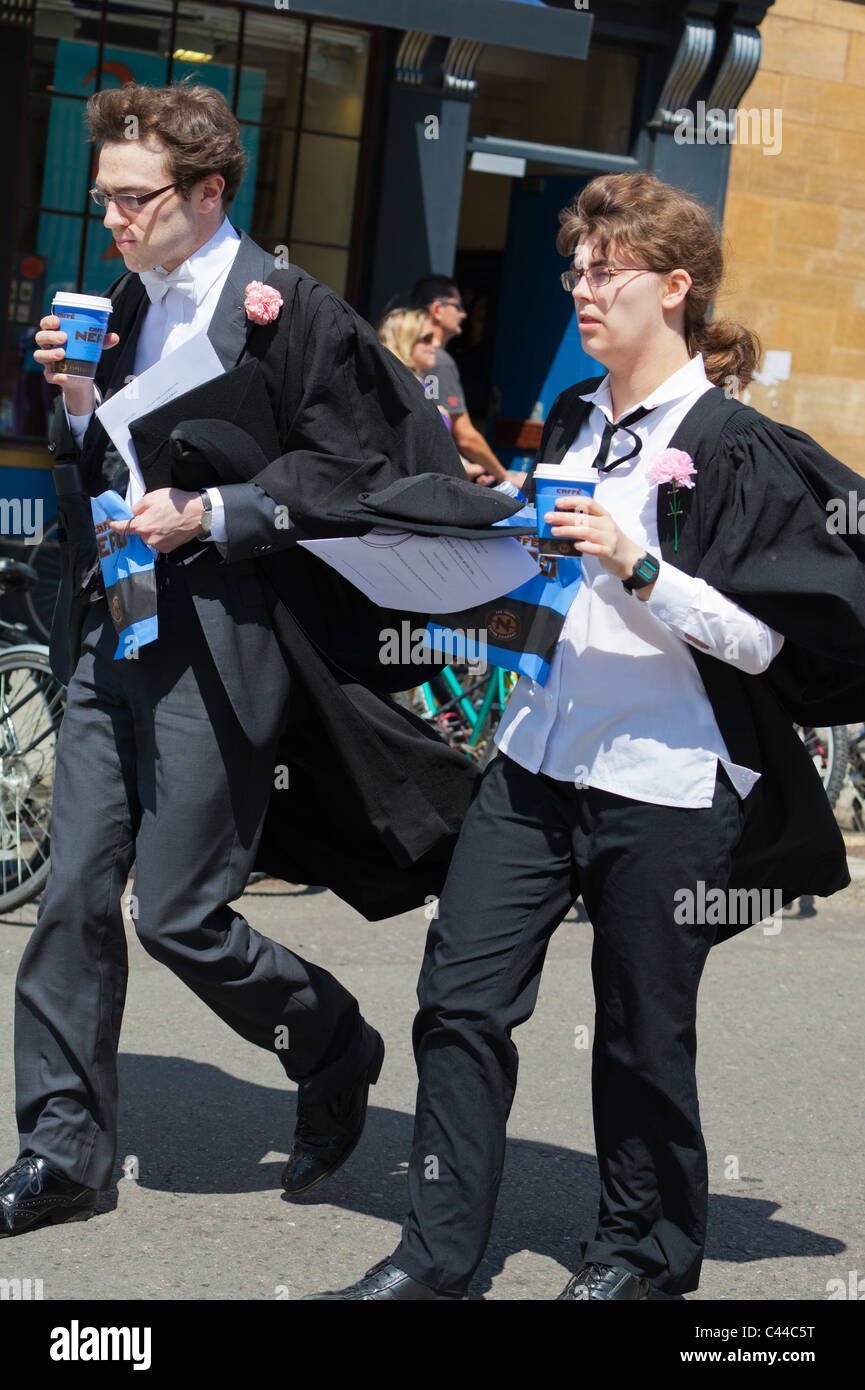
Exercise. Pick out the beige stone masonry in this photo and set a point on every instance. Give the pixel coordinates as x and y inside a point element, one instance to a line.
<point>794,222</point>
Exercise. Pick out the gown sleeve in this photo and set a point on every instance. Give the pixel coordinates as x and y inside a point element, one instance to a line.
<point>363,421</point>
<point>772,544</point>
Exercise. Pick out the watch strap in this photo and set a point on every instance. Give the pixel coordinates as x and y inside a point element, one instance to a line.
<point>207,515</point>
<point>645,571</point>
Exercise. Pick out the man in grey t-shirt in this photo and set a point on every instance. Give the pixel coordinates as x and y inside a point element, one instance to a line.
<point>441,299</point>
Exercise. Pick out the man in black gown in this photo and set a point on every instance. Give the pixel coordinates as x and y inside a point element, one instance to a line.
<point>169,759</point>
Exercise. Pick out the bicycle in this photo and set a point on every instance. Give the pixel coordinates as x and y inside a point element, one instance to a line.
<point>828,747</point>
<point>856,774</point>
<point>464,706</point>
<point>44,560</point>
<point>32,702</point>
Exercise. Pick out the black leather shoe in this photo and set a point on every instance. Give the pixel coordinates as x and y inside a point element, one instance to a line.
<point>385,1281</point>
<point>33,1194</point>
<point>593,1281</point>
<point>328,1131</point>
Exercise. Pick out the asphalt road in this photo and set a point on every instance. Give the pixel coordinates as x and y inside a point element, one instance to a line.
<point>208,1119</point>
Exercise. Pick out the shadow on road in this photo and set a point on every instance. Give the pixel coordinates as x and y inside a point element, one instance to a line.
<point>193,1128</point>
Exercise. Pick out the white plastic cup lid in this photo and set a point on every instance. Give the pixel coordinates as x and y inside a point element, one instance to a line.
<point>565,473</point>
<point>67,300</point>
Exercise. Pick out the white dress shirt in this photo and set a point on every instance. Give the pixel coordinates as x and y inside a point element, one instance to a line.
<point>624,709</point>
<point>169,323</point>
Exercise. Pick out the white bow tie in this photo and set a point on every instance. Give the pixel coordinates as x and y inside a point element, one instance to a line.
<point>159,282</point>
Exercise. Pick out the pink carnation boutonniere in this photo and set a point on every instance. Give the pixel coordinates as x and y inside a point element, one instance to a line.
<point>262,303</point>
<point>675,467</point>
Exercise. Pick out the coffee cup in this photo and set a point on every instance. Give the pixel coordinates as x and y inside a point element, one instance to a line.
<point>551,482</point>
<point>84,320</point>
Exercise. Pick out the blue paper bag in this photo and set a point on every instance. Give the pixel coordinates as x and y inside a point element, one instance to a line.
<point>128,574</point>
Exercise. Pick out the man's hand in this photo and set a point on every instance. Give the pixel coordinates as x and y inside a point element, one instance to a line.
<point>78,390</point>
<point>477,473</point>
<point>165,518</point>
<point>594,532</point>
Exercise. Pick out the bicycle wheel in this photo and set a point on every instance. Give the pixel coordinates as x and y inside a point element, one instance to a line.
<point>45,559</point>
<point>828,748</point>
<point>31,708</point>
<point>856,774</point>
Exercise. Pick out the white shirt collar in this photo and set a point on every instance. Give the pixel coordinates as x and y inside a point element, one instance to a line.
<point>687,379</point>
<point>212,259</point>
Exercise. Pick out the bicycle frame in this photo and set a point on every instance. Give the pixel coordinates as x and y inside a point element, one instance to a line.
<point>496,693</point>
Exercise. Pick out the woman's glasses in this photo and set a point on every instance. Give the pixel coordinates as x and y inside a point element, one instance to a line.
<point>597,275</point>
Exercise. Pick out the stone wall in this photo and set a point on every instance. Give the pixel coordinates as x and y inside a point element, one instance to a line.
<point>795,224</point>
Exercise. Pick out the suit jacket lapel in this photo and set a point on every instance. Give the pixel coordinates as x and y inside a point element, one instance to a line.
<point>121,364</point>
<point>229,326</point>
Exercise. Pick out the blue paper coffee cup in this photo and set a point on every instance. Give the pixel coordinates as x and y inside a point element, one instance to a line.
<point>84,320</point>
<point>551,482</point>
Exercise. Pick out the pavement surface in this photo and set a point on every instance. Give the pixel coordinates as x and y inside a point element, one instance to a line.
<point>196,1210</point>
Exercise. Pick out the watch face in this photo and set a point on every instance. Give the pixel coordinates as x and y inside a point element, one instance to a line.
<point>645,571</point>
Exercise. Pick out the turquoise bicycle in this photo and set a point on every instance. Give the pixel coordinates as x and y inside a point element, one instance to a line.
<point>464,706</point>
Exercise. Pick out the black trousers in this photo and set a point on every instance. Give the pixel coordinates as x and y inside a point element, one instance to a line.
<point>153,766</point>
<point>528,847</point>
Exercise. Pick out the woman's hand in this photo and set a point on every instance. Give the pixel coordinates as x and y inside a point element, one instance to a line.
<point>594,532</point>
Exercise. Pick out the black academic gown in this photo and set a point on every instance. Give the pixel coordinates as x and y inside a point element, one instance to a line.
<point>755,527</point>
<point>374,799</point>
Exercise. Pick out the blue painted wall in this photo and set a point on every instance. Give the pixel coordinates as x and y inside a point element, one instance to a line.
<point>538,350</point>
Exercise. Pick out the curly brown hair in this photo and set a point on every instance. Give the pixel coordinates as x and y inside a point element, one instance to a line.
<point>665,228</point>
<point>193,122</point>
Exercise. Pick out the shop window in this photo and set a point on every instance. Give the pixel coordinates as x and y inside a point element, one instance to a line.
<point>535,96</point>
<point>297,87</point>
<point>324,201</point>
<point>335,81</point>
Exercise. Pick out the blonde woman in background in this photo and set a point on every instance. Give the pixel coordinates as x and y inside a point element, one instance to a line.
<point>408,334</point>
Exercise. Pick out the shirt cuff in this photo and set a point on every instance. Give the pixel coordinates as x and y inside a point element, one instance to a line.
<point>218,530</point>
<point>77,423</point>
<point>673,595</point>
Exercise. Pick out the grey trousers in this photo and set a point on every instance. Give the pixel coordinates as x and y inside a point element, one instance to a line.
<point>153,767</point>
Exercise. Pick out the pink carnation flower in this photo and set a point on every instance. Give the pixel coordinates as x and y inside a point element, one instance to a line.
<point>262,302</point>
<point>673,466</point>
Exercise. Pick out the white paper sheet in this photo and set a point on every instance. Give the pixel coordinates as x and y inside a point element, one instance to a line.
<point>427,574</point>
<point>190,365</point>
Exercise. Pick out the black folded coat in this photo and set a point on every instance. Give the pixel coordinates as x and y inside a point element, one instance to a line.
<point>204,451</point>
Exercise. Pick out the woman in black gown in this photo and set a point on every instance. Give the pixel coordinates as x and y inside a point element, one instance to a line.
<point>656,772</point>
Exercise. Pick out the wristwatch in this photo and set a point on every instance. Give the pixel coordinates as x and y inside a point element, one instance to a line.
<point>645,571</point>
<point>207,515</point>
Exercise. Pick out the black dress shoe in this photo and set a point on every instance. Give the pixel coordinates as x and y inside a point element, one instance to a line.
<point>33,1194</point>
<point>385,1281</point>
<point>327,1131</point>
<point>593,1281</point>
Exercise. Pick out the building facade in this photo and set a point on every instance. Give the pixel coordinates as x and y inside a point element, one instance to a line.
<point>385,140</point>
<point>795,223</point>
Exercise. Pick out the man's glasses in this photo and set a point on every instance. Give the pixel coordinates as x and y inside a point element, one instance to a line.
<point>127,202</point>
<point>454,303</point>
<point>597,275</point>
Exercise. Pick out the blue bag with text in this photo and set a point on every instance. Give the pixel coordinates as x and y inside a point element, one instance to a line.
<point>520,630</point>
<point>128,574</point>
